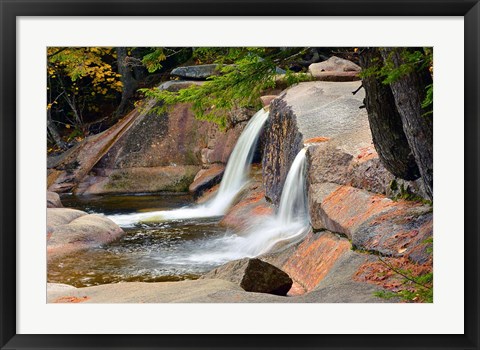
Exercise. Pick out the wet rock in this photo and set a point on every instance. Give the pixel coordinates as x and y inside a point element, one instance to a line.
<point>206,179</point>
<point>335,69</point>
<point>199,72</point>
<point>53,200</point>
<point>248,209</point>
<point>208,194</point>
<point>253,275</point>
<point>70,230</point>
<point>143,180</point>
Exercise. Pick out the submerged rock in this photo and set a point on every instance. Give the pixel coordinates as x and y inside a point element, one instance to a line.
<point>253,275</point>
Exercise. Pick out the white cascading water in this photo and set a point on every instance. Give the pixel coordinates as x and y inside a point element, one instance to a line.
<point>287,227</point>
<point>234,178</point>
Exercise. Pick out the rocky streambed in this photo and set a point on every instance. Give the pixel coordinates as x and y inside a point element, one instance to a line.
<point>362,227</point>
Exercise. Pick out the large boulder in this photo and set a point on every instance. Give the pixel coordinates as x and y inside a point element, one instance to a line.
<point>70,230</point>
<point>335,69</point>
<point>253,275</point>
<point>61,216</point>
<point>200,72</point>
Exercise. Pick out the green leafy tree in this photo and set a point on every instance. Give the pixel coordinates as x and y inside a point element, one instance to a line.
<point>244,73</point>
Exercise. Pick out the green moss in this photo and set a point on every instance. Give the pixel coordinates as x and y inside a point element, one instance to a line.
<point>119,182</point>
<point>406,194</point>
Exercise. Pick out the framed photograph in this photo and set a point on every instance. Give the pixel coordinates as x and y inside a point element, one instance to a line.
<point>221,174</point>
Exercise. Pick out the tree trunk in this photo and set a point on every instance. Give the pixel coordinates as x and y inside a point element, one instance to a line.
<point>385,122</point>
<point>127,80</point>
<point>52,129</point>
<point>409,91</point>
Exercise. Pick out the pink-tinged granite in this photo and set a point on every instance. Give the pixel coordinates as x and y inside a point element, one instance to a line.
<point>313,258</point>
<point>70,230</point>
<point>249,208</point>
<point>373,222</point>
<point>206,179</point>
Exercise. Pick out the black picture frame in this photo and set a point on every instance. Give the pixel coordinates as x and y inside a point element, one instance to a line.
<point>9,339</point>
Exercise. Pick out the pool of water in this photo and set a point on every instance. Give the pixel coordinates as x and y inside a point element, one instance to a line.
<point>168,251</point>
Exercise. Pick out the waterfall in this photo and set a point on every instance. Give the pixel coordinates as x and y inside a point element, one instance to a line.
<point>234,178</point>
<point>291,222</point>
<point>238,165</point>
<point>293,202</point>
<point>288,226</point>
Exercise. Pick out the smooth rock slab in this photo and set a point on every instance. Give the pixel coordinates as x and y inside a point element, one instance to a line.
<point>373,222</point>
<point>70,230</point>
<point>253,275</point>
<point>143,180</point>
<point>61,216</point>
